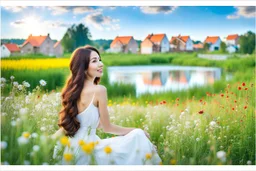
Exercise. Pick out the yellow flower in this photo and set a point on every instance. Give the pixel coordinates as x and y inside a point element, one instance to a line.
<point>148,156</point>
<point>107,150</point>
<point>88,148</point>
<point>26,134</point>
<point>81,142</point>
<point>68,156</point>
<point>65,141</point>
<point>173,161</point>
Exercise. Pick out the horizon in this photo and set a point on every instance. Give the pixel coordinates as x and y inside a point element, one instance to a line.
<point>106,22</point>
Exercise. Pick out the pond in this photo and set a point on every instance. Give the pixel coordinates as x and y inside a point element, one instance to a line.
<point>151,79</point>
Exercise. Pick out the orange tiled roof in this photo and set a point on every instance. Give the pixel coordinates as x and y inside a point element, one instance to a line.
<point>56,44</point>
<point>123,39</point>
<point>183,38</point>
<point>211,39</point>
<point>155,37</point>
<point>232,36</point>
<point>35,40</point>
<point>12,47</point>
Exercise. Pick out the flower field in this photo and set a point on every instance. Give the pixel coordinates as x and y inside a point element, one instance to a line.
<point>218,129</point>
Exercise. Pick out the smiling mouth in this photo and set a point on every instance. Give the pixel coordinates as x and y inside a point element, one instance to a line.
<point>100,70</point>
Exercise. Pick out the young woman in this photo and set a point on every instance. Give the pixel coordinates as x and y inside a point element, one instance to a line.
<point>84,109</point>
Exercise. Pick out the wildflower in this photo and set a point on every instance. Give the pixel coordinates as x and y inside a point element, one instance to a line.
<point>3,80</point>
<point>23,111</point>
<point>197,139</point>
<point>222,95</point>
<point>36,148</point>
<point>4,145</point>
<point>245,107</point>
<point>88,148</point>
<point>26,134</point>
<point>68,157</point>
<point>65,141</point>
<point>12,77</point>
<point>20,87</point>
<point>213,124</point>
<point>34,135</point>
<point>246,88</point>
<point>173,162</point>
<point>201,112</point>
<point>221,155</point>
<point>81,142</point>
<point>249,162</point>
<point>42,83</point>
<point>15,84</point>
<point>26,84</point>
<point>148,156</point>
<point>22,140</point>
<point>243,84</point>
<point>107,150</point>
<point>239,88</point>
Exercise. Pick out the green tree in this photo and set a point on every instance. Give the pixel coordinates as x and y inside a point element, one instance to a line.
<point>247,43</point>
<point>206,46</point>
<point>76,36</point>
<point>223,47</point>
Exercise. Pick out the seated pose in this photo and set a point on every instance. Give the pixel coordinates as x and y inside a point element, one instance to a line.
<point>84,109</point>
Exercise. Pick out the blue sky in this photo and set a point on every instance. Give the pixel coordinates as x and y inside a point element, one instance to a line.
<point>138,21</point>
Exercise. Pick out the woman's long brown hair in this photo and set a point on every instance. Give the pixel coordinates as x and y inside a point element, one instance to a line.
<point>79,63</point>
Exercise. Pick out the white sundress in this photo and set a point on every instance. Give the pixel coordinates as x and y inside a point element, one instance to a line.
<point>133,148</point>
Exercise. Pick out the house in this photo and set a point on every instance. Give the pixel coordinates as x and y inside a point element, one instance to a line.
<point>198,46</point>
<point>232,42</point>
<point>124,44</point>
<point>58,49</point>
<point>232,48</point>
<point>37,45</point>
<point>181,43</point>
<point>214,42</point>
<point>155,43</point>
<point>9,49</point>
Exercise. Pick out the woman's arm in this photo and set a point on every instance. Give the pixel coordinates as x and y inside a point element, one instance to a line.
<point>58,133</point>
<point>104,115</point>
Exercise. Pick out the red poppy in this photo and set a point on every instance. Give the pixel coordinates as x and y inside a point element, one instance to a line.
<point>201,100</point>
<point>239,88</point>
<point>222,95</point>
<point>164,102</point>
<point>235,101</point>
<point>246,88</point>
<point>233,108</point>
<point>201,112</point>
<point>243,84</point>
<point>245,107</point>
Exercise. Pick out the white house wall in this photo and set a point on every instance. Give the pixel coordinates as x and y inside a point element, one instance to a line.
<point>165,46</point>
<point>189,44</point>
<point>216,44</point>
<point>146,50</point>
<point>5,52</point>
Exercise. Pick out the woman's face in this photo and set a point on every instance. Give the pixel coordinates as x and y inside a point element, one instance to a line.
<point>95,68</point>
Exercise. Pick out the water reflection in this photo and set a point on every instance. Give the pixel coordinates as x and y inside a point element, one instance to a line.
<point>163,78</point>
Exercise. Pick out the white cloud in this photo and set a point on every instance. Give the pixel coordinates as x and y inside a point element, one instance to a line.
<point>82,10</point>
<point>244,11</point>
<point>58,10</point>
<point>15,8</point>
<point>157,9</point>
<point>99,21</point>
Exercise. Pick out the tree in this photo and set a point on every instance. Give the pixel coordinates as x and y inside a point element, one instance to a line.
<point>247,42</point>
<point>76,36</point>
<point>206,46</point>
<point>223,47</point>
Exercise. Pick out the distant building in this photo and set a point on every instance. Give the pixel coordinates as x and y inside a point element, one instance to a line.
<point>181,43</point>
<point>124,44</point>
<point>214,42</point>
<point>232,42</point>
<point>155,43</point>
<point>58,49</point>
<point>198,46</point>
<point>38,44</point>
<point>9,49</point>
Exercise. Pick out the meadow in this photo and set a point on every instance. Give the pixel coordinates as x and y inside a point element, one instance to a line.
<point>212,125</point>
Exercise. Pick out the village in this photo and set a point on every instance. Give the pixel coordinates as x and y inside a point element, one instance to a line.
<point>153,43</point>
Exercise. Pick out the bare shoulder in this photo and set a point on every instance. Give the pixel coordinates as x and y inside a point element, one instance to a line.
<point>101,89</point>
